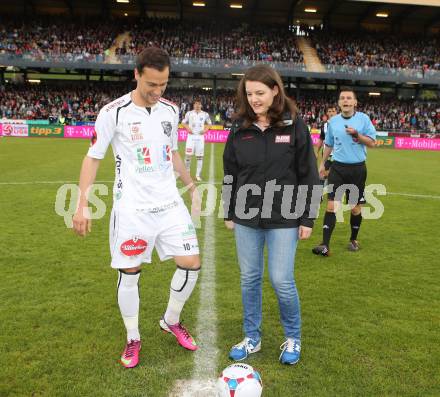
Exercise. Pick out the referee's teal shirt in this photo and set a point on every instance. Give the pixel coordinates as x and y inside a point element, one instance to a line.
<point>345,148</point>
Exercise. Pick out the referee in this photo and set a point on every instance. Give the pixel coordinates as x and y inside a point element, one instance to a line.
<point>348,136</point>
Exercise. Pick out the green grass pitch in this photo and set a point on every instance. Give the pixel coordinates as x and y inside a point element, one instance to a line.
<point>371,319</point>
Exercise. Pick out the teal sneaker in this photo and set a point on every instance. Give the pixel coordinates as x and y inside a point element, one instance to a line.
<point>290,351</point>
<point>241,350</point>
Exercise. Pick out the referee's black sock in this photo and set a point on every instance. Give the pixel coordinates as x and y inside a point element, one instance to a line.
<point>355,222</point>
<point>328,226</point>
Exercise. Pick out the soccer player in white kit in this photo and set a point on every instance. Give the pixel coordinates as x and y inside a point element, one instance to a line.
<point>196,122</point>
<point>148,211</point>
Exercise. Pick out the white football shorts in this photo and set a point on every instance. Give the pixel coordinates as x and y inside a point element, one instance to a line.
<point>195,144</point>
<point>134,234</point>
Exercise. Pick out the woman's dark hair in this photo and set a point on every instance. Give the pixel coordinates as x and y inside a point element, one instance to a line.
<point>281,102</point>
<point>154,58</point>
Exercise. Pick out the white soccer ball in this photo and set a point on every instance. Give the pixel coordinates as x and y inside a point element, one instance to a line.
<point>239,380</point>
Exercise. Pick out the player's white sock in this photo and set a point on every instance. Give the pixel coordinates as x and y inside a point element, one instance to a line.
<point>199,166</point>
<point>128,300</point>
<point>188,163</point>
<point>182,285</point>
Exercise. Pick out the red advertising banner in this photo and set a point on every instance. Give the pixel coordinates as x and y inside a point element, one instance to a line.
<point>78,131</point>
<point>417,143</point>
<point>12,129</point>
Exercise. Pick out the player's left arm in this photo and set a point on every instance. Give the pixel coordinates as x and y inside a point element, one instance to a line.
<point>196,200</point>
<point>178,165</point>
<point>208,124</point>
<point>182,172</point>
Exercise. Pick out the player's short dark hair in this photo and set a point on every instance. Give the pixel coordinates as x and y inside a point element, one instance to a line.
<point>347,89</point>
<point>154,58</point>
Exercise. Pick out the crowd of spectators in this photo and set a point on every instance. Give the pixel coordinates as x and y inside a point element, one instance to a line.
<point>215,40</point>
<point>222,104</point>
<point>387,114</point>
<point>377,50</point>
<point>70,39</point>
<point>60,38</point>
<point>74,102</point>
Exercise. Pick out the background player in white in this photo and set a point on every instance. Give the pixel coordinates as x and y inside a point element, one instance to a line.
<point>196,122</point>
<point>147,210</point>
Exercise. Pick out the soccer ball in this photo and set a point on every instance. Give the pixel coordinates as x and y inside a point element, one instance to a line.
<point>239,380</point>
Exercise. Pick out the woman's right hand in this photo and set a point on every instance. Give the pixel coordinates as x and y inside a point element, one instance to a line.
<point>229,225</point>
<point>322,171</point>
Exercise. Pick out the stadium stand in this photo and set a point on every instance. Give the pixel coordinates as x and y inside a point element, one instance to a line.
<point>377,50</point>
<point>81,102</point>
<point>71,39</point>
<point>239,41</point>
<point>57,37</point>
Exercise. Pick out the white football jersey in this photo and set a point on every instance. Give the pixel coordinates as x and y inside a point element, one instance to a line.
<point>142,140</point>
<point>197,121</point>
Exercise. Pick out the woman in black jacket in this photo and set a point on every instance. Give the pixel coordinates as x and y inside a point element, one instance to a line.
<point>270,183</point>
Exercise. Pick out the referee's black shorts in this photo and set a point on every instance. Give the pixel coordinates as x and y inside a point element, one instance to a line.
<point>348,179</point>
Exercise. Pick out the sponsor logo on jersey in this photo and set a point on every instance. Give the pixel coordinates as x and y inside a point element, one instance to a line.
<point>143,155</point>
<point>189,233</point>
<point>118,162</point>
<point>167,128</point>
<point>166,153</point>
<point>114,104</point>
<point>282,139</point>
<point>162,208</point>
<point>133,247</point>
<point>135,131</point>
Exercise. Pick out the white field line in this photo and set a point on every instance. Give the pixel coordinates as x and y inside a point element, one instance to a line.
<point>202,382</point>
<point>424,196</point>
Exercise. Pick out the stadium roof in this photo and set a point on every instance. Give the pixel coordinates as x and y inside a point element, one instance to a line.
<point>401,15</point>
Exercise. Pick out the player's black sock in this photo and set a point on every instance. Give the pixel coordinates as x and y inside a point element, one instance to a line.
<point>355,222</point>
<point>328,226</point>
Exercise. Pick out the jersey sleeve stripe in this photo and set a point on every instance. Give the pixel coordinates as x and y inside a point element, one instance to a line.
<point>119,108</point>
<point>170,104</point>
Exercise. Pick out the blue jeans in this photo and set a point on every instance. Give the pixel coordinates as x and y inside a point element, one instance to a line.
<point>281,247</point>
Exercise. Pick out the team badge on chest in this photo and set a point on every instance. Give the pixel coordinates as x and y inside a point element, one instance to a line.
<point>167,127</point>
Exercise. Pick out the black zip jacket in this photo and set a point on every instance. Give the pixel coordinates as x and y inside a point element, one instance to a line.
<point>271,177</point>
